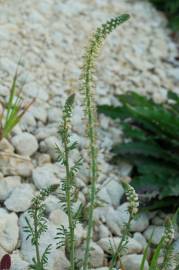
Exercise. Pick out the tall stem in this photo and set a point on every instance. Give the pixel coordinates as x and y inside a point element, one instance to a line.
<point>122,244</point>
<point>87,89</point>
<point>93,163</point>
<point>68,196</point>
<point>37,241</point>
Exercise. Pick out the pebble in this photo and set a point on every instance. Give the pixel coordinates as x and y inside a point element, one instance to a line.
<point>5,146</point>
<point>9,230</point>
<point>25,144</point>
<point>59,217</point>
<point>12,164</point>
<point>132,247</point>
<point>140,223</point>
<point>156,232</point>
<point>133,262</point>
<point>96,255</point>
<point>141,239</point>
<point>18,263</point>
<point>46,175</point>
<point>49,146</point>
<point>7,185</point>
<point>20,198</point>
<point>111,193</point>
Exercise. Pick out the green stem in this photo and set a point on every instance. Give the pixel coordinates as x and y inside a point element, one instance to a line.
<point>93,163</point>
<point>122,244</point>
<point>37,242</point>
<point>68,197</point>
<point>87,87</point>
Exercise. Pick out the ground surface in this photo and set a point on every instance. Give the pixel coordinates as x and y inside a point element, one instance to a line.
<point>49,36</point>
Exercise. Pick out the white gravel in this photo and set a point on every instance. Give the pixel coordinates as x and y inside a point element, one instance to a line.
<point>49,37</point>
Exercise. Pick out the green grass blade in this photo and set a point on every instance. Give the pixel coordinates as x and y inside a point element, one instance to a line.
<point>154,262</point>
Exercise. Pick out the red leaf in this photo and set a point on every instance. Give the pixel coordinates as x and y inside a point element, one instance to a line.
<point>5,263</point>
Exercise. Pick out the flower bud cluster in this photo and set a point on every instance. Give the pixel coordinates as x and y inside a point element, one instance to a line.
<point>132,199</point>
<point>168,233</point>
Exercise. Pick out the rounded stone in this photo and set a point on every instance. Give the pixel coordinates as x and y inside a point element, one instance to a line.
<point>25,144</point>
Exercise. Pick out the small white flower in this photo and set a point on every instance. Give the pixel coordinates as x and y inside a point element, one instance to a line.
<point>132,198</point>
<point>169,233</point>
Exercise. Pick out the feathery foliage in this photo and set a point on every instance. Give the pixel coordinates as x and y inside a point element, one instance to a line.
<point>37,226</point>
<point>87,89</point>
<point>66,236</point>
<point>133,202</point>
<point>12,112</point>
<point>151,143</point>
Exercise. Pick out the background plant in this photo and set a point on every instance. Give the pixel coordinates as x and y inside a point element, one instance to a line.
<point>12,112</point>
<point>171,9</point>
<point>151,144</point>
<point>36,226</point>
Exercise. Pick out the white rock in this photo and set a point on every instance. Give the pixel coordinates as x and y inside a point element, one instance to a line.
<point>25,144</point>
<point>49,146</point>
<point>5,146</point>
<point>43,132</point>
<point>133,262</point>
<point>40,113</point>
<point>96,255</point>
<point>111,192</point>
<point>132,247</point>
<point>51,203</point>
<point>174,73</point>
<point>125,168</point>
<point>103,231</point>
<point>47,175</point>
<point>8,65</point>
<point>59,217</point>
<point>54,115</point>
<point>18,262</point>
<point>122,214</point>
<point>115,191</point>
<point>157,221</point>
<point>100,214</point>
<point>7,184</point>
<point>2,252</point>
<point>11,164</point>
<point>156,232</point>
<point>9,231</point>
<point>20,198</point>
<point>112,221</point>
<point>43,159</point>
<point>140,238</point>
<point>27,122</point>
<point>140,223</point>
<point>35,91</point>
<point>176,246</point>
<point>104,196</point>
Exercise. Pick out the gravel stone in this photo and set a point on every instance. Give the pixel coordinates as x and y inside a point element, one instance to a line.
<point>47,175</point>
<point>9,230</point>
<point>25,144</point>
<point>133,262</point>
<point>20,198</point>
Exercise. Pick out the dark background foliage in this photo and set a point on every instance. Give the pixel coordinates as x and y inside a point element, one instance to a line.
<point>151,144</point>
<point>171,9</point>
